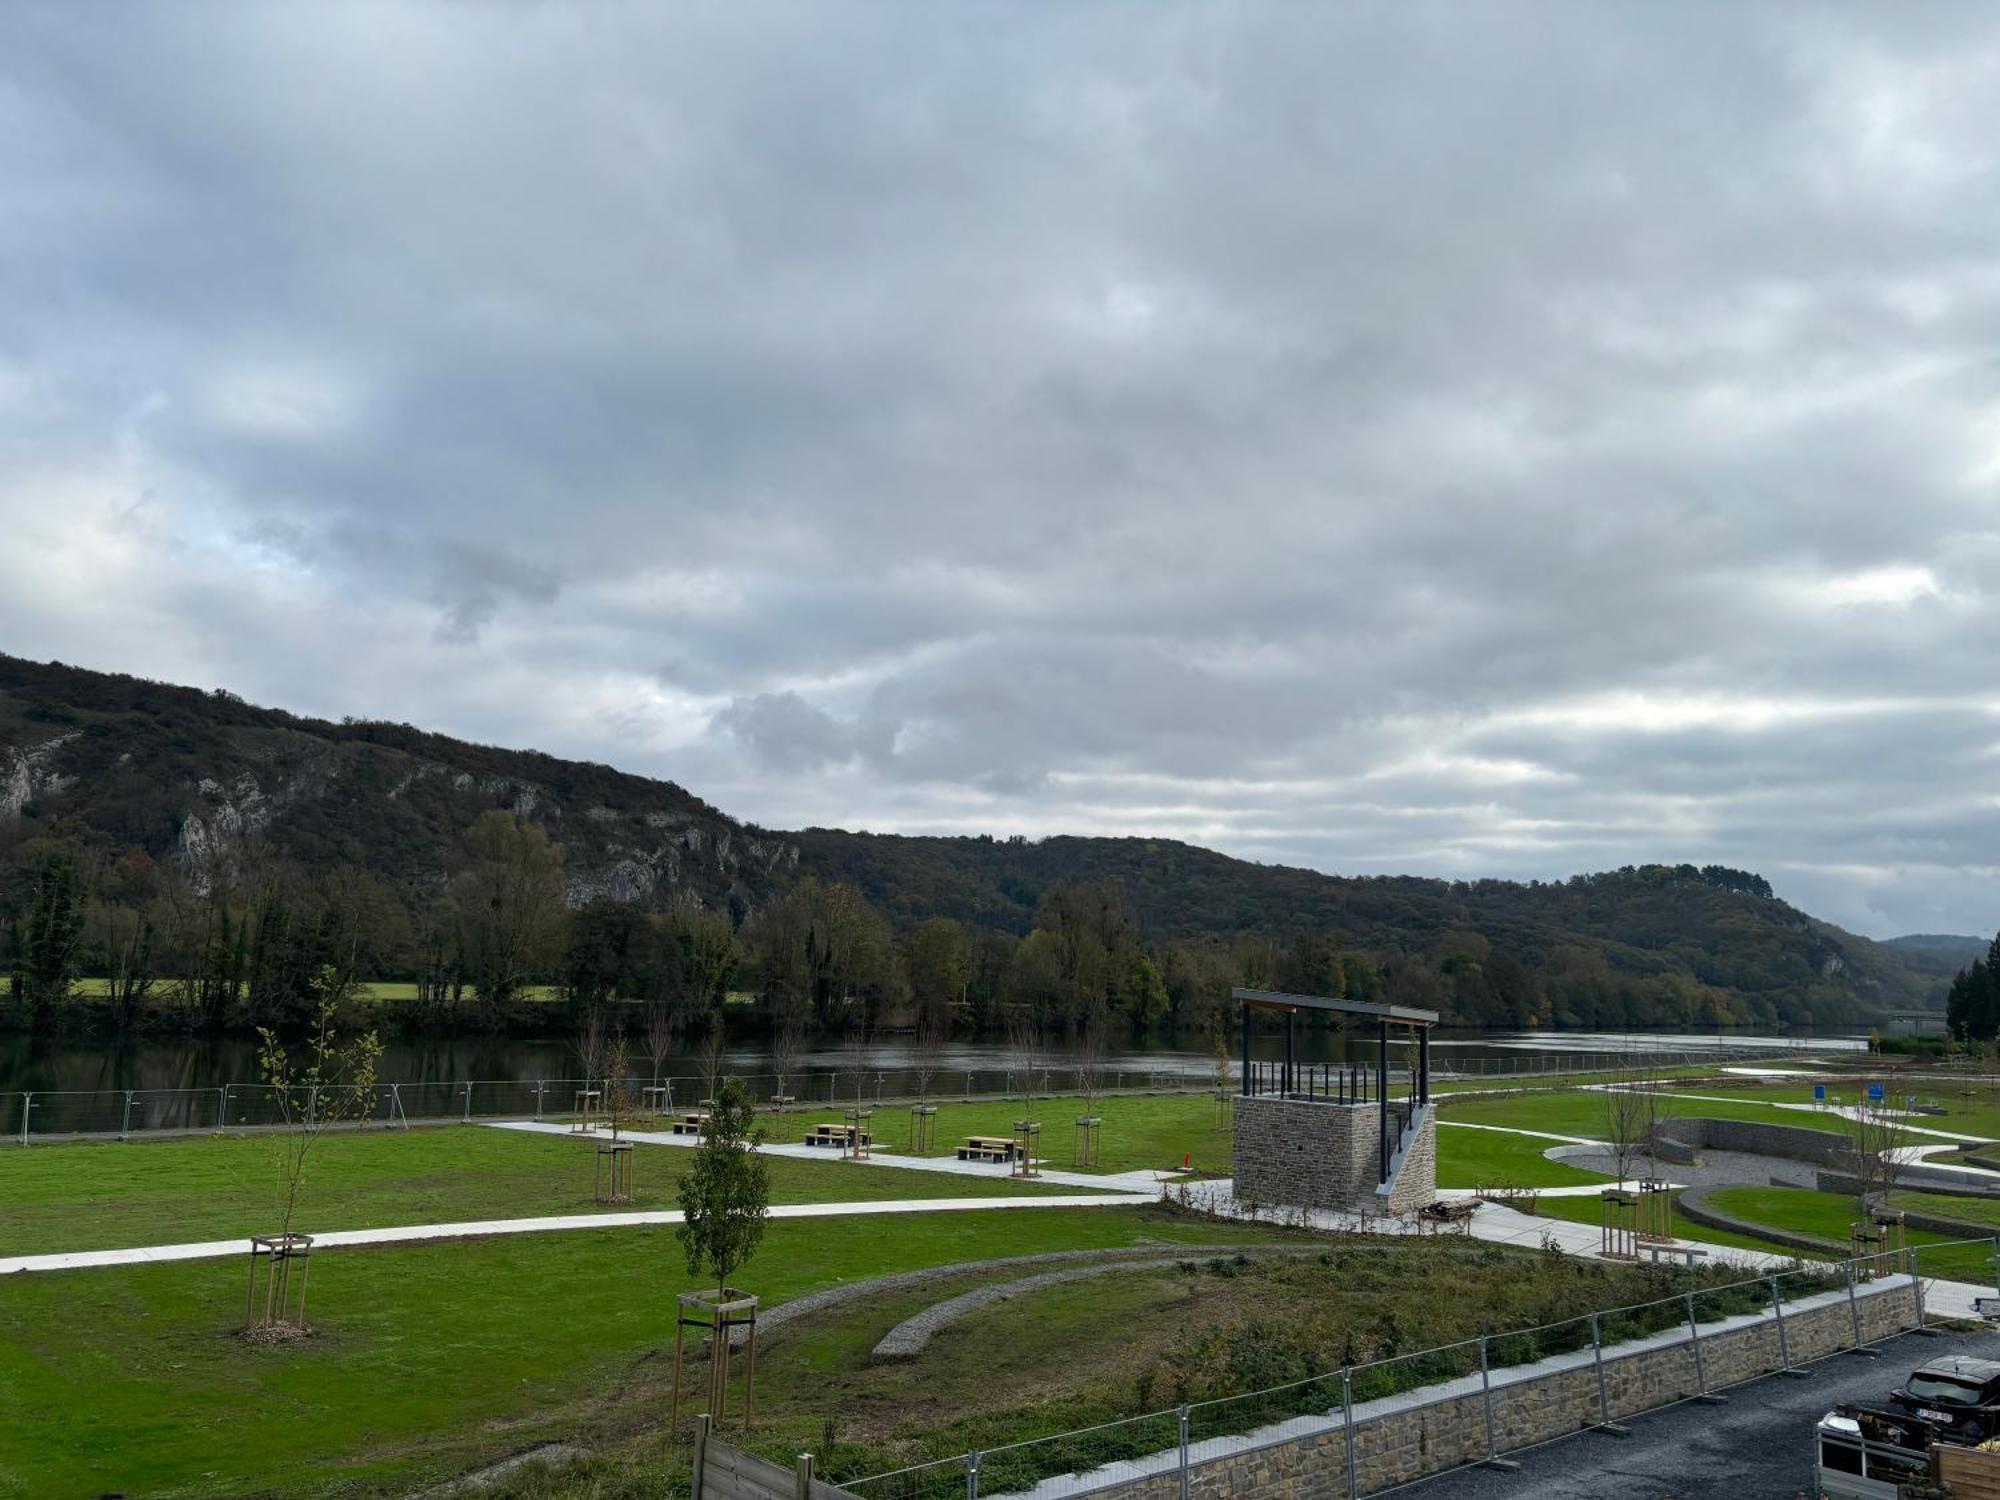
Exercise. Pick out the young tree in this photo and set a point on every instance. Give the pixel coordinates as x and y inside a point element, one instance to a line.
<point>726,1196</point>
<point>330,1081</point>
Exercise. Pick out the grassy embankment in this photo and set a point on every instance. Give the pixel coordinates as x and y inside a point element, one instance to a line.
<point>429,1359</point>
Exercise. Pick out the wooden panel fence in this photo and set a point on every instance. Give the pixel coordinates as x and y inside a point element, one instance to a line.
<point>725,1472</point>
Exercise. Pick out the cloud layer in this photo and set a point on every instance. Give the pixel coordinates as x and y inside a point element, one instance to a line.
<point>1467,440</point>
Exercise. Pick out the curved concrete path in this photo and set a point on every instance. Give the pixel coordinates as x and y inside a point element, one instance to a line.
<point>477,1228</point>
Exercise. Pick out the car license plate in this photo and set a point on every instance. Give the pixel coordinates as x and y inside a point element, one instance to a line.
<point>1936,1416</point>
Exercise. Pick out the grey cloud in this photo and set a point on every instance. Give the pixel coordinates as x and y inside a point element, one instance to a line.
<point>1263,425</point>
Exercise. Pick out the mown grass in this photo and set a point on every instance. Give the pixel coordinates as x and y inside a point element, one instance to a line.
<point>1140,1131</point>
<point>1487,1158</point>
<point>106,1195</point>
<point>429,1359</point>
<point>1830,1215</point>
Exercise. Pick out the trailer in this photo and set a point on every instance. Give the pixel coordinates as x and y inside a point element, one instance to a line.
<point>1866,1452</point>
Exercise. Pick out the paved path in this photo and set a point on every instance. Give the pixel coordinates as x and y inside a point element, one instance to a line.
<point>1123,1182</point>
<point>408,1233</point>
<point>1540,1135</point>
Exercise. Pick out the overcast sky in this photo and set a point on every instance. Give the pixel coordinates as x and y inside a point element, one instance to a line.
<point>1500,439</point>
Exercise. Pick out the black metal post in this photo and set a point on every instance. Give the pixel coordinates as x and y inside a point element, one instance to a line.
<point>1382,1096</point>
<point>1290,1016</point>
<point>1246,1049</point>
<point>1424,1065</point>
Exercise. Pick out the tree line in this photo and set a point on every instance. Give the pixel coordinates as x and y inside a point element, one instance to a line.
<point>241,939</point>
<point>1972,1004</point>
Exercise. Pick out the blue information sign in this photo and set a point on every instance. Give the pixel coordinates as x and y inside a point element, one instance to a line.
<point>1819,1093</point>
<point>1874,1093</point>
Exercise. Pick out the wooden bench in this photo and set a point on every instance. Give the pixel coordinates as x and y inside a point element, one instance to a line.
<point>987,1148</point>
<point>833,1133</point>
<point>1687,1255</point>
<point>691,1124</point>
<point>1438,1217</point>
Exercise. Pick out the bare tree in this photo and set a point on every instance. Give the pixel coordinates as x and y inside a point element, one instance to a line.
<point>1870,1155</point>
<point>1027,1053</point>
<point>592,1045</point>
<point>1090,1077</point>
<point>621,1098</point>
<point>857,1049</point>
<point>788,1044</point>
<point>1625,1122</point>
<point>662,1031</point>
<point>711,1055</point>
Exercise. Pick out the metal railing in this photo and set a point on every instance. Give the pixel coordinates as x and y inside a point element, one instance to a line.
<point>1164,1445</point>
<point>54,1114</point>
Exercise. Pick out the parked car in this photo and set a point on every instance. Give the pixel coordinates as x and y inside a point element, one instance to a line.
<point>1960,1395</point>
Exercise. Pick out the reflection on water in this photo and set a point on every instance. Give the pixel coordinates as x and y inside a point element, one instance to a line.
<point>212,1062</point>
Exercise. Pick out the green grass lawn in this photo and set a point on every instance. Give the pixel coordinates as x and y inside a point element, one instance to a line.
<point>1829,1215</point>
<point>1485,1158</point>
<point>1581,1112</point>
<point>1139,1131</point>
<point>105,1195</point>
<point>430,1359</point>
<point>1590,1211</point>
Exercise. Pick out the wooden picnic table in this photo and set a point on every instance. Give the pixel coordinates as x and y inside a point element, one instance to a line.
<point>987,1148</point>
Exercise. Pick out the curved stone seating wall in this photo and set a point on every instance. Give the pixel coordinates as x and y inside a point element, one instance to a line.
<point>1823,1148</point>
<point>1694,1202</point>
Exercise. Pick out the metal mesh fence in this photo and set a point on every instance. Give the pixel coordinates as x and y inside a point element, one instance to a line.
<point>53,1114</point>
<point>1167,1443</point>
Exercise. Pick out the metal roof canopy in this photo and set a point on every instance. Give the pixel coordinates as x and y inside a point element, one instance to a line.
<point>1398,1015</point>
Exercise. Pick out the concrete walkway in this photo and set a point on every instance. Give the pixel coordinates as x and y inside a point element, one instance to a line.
<point>1540,1135</point>
<point>412,1233</point>
<point>1117,1182</point>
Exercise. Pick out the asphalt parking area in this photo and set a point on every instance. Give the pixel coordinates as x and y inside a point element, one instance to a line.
<point>1756,1446</point>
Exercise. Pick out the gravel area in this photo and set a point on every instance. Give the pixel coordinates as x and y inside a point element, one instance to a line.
<point>1716,1169</point>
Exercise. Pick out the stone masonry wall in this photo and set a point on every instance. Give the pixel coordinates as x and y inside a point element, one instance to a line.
<point>1416,1183</point>
<point>1397,1440</point>
<point>1301,1154</point>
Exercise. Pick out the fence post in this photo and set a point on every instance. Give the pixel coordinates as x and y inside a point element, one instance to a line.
<point>701,1425</point>
<point>468,1102</point>
<point>1916,1289</point>
<point>541,1085</point>
<point>1486,1398</point>
<point>1778,1312</point>
<point>125,1127</point>
<point>312,1103</point>
<point>1347,1426</point>
<point>222,1109</point>
<point>804,1488</point>
<point>1604,1422</point>
<point>27,1103</point>
<point>1694,1340</point>
<point>1184,1453</point>
<point>1996,1265</point>
<point>972,1475</point>
<point>1854,1313</point>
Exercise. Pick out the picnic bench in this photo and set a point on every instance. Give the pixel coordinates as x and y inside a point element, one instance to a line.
<point>987,1148</point>
<point>695,1122</point>
<point>1447,1214</point>
<point>1687,1255</point>
<point>834,1133</point>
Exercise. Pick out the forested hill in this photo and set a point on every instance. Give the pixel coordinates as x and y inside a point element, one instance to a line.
<point>210,794</point>
<point>1645,942</point>
<point>200,778</point>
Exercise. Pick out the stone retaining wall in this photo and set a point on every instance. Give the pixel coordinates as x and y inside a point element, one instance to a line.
<point>1297,1153</point>
<point>1694,1202</point>
<point>1402,1438</point>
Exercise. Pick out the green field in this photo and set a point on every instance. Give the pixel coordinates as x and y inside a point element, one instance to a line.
<point>429,1359</point>
<point>105,1195</point>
